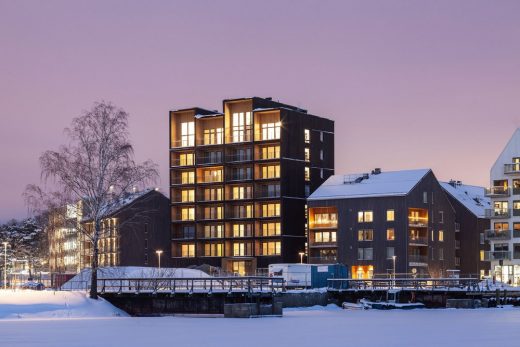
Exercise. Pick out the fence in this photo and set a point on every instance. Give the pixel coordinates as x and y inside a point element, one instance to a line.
<point>340,284</point>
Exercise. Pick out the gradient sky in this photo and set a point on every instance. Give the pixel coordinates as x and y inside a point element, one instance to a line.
<point>410,84</point>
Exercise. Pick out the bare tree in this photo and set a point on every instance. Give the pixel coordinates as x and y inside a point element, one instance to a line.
<point>97,167</point>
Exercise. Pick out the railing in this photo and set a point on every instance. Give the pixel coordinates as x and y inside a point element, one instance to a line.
<point>323,244</point>
<point>323,260</point>
<point>497,255</point>
<point>209,179</point>
<point>418,221</point>
<point>511,168</point>
<point>270,155</point>
<point>418,240</point>
<point>340,284</point>
<point>498,213</point>
<point>261,194</point>
<point>272,135</point>
<point>331,225</point>
<point>212,234</point>
<point>497,191</point>
<point>184,235</point>
<point>497,234</point>
<point>417,258</point>
<point>238,157</point>
<point>245,136</point>
<point>239,177</point>
<point>205,285</point>
<point>209,160</point>
<point>183,162</point>
<point>188,142</point>
<point>180,180</point>
<point>211,140</point>
<point>516,233</point>
<point>240,214</point>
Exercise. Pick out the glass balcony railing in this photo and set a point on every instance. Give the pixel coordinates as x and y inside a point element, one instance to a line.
<point>498,213</point>
<point>418,221</point>
<point>497,255</point>
<point>323,260</point>
<point>512,168</point>
<point>418,240</point>
<point>497,191</point>
<point>497,234</point>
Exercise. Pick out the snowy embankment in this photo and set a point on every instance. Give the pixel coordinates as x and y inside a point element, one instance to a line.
<point>50,304</point>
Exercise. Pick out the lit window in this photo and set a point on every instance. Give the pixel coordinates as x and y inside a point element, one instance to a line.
<point>307,154</point>
<point>271,210</point>
<point>186,159</point>
<point>188,177</point>
<point>188,250</point>
<point>365,216</point>
<point>271,248</point>
<point>241,130</point>
<point>270,131</point>
<point>441,235</point>
<point>187,134</point>
<point>213,136</point>
<point>188,195</point>
<point>271,229</point>
<point>307,135</point>
<point>321,154</point>
<point>187,213</point>
<point>213,249</point>
<point>324,236</point>
<point>270,152</point>
<point>365,235</point>
<point>307,173</point>
<point>390,215</point>
<point>270,171</point>
<point>239,249</point>
<point>390,234</point>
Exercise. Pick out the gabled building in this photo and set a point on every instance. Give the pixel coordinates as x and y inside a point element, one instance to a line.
<point>471,227</point>
<point>239,180</point>
<point>365,220</point>
<point>504,235</point>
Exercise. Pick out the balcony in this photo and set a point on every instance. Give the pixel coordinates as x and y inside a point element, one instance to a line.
<point>497,234</point>
<point>239,176</point>
<point>330,225</point>
<point>266,193</point>
<point>210,159</point>
<point>498,213</point>
<point>178,162</point>
<point>188,141</point>
<point>183,234</point>
<point>497,192</point>
<point>239,214</point>
<point>323,244</point>
<point>417,241</point>
<point>418,259</point>
<point>182,180</point>
<point>512,168</point>
<point>418,222</point>
<point>497,255</point>
<point>323,260</point>
<point>239,136</point>
<point>269,133</point>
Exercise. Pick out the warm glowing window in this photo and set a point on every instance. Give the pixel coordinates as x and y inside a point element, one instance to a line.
<point>213,212</point>
<point>271,229</point>
<point>271,248</point>
<point>271,131</point>
<point>239,249</point>
<point>270,152</point>
<point>307,154</point>
<point>324,236</point>
<point>271,171</point>
<point>213,175</point>
<point>441,235</point>
<point>242,192</point>
<point>242,230</point>
<point>188,177</point>
<point>390,215</point>
<point>307,173</point>
<point>271,210</point>
<point>213,231</point>
<point>213,194</point>
<point>365,235</point>
<point>325,219</point>
<point>365,216</point>
<point>241,130</point>
<point>187,134</point>
<point>243,211</point>
<point>390,234</point>
<point>307,135</point>
<point>188,195</point>
<point>186,159</point>
<point>188,250</point>
<point>188,213</point>
<point>213,249</point>
<point>213,136</point>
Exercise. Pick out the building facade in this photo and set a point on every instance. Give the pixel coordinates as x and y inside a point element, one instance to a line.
<point>471,227</point>
<point>383,223</point>
<point>239,180</point>
<point>504,235</point>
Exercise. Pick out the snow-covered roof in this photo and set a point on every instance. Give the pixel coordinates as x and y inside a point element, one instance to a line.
<point>198,116</point>
<point>390,183</point>
<point>472,197</point>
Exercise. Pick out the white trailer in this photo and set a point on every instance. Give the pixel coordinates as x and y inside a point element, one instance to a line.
<point>295,275</point>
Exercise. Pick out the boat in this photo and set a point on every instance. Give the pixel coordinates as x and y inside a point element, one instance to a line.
<point>388,305</point>
<point>353,306</point>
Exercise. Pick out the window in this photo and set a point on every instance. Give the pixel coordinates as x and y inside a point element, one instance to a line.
<point>390,234</point>
<point>365,235</point>
<point>482,255</point>
<point>501,247</point>
<point>212,194</point>
<point>271,131</point>
<point>242,230</point>
<point>390,215</point>
<point>441,236</point>
<point>441,253</point>
<point>390,252</point>
<point>365,216</point>
<point>188,213</point>
<point>213,231</point>
<point>188,195</point>
<point>307,154</point>
<point>365,253</point>
<point>271,229</point>
<point>212,175</point>
<point>213,249</point>
<point>213,212</point>
<point>321,154</point>
<point>321,173</point>
<point>441,216</point>
<point>324,236</point>
<point>271,248</point>
<point>270,171</point>
<point>307,190</point>
<point>187,177</point>
<point>271,210</point>
<point>325,219</point>
<point>241,130</point>
<point>270,152</point>
<point>213,136</point>
<point>307,173</point>
<point>321,136</point>
<point>187,134</point>
<point>188,250</point>
<point>240,249</point>
<point>186,159</point>
<point>433,235</point>
<point>242,192</point>
<point>242,211</point>
<point>425,197</point>
<point>307,135</point>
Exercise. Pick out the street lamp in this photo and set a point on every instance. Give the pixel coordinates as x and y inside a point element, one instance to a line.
<point>159,252</point>
<point>393,260</point>
<point>301,257</point>
<point>5,264</point>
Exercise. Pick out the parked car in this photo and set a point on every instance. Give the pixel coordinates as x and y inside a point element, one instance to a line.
<point>33,285</point>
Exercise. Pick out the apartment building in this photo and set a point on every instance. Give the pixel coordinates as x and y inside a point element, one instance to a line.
<point>504,234</point>
<point>471,227</point>
<point>381,223</point>
<point>239,181</point>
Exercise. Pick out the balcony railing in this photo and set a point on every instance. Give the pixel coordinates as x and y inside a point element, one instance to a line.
<point>265,193</point>
<point>413,258</point>
<point>331,225</point>
<point>239,214</point>
<point>238,137</point>
<point>511,168</point>
<point>418,240</point>
<point>231,158</point>
<point>323,244</point>
<point>420,222</point>
<point>239,176</point>
<point>210,179</point>
<point>183,162</point>
<point>498,213</point>
<point>180,180</point>
<point>323,260</point>
<point>497,255</point>
<point>209,160</point>
<point>497,191</point>
<point>187,142</point>
<point>210,234</point>
<point>211,140</point>
<point>183,234</point>
<point>497,234</point>
<point>268,135</point>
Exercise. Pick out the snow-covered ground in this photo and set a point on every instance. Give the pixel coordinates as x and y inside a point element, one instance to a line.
<point>314,326</point>
<point>30,304</point>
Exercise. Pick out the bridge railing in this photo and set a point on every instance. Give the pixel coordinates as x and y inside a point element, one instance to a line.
<point>340,284</point>
<point>249,284</point>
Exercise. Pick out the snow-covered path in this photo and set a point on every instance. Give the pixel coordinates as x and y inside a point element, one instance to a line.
<point>301,328</point>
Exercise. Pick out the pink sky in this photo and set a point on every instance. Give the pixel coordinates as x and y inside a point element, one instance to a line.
<point>410,84</point>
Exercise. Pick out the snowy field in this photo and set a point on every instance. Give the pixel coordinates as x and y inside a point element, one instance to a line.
<point>299,327</point>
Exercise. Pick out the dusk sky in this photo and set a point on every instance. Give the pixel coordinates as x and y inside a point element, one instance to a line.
<point>411,84</point>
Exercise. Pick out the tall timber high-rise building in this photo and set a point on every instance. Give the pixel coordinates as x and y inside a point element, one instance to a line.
<point>239,182</point>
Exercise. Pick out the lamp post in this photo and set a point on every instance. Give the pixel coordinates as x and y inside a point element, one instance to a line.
<point>393,260</point>
<point>159,252</point>
<point>301,257</point>
<point>5,264</point>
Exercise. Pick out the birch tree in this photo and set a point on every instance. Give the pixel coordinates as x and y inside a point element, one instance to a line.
<point>96,167</point>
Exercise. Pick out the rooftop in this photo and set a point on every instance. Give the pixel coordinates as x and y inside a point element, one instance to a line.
<point>375,184</point>
<point>472,197</point>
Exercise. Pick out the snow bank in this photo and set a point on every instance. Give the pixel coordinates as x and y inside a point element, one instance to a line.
<point>81,280</point>
<point>50,304</point>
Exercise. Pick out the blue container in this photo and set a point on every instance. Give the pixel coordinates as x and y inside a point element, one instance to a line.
<point>321,273</point>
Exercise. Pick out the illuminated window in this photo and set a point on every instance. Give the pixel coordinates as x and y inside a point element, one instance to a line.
<point>213,136</point>
<point>242,230</point>
<point>324,236</point>
<point>213,194</point>
<point>212,175</point>
<point>390,215</point>
<point>186,159</point>
<point>188,213</point>
<point>271,229</point>
<point>242,192</point>
<point>188,250</point>
<point>270,171</point>
<point>365,216</point>
<point>271,131</point>
<point>239,249</point>
<point>213,249</point>
<point>188,195</point>
<point>243,211</point>
<point>482,255</point>
<point>187,134</point>
<point>441,235</point>
<point>307,135</point>
<point>271,210</point>
<point>365,235</point>
<point>325,219</point>
<point>241,130</point>
<point>270,152</point>
<point>188,177</point>
<point>213,231</point>
<point>390,234</point>
<point>271,248</point>
<point>307,154</point>
<point>213,212</point>
<point>307,173</point>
